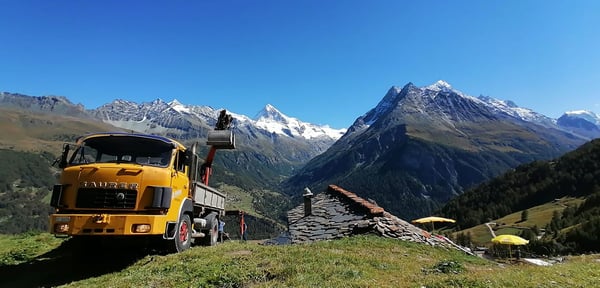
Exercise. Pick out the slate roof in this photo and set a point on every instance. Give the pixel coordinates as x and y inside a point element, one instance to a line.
<point>338,213</point>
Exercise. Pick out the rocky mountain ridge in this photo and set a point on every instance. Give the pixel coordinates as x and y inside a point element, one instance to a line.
<point>421,146</point>
<point>500,107</point>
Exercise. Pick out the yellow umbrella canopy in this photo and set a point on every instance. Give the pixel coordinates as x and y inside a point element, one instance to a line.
<point>509,240</point>
<point>432,219</point>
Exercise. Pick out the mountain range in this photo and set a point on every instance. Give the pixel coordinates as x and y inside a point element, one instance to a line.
<point>418,148</point>
<point>422,146</point>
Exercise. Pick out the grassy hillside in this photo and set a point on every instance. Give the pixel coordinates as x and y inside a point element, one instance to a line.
<point>37,132</point>
<point>536,188</point>
<point>576,174</point>
<point>24,191</point>
<point>539,216</point>
<point>366,261</point>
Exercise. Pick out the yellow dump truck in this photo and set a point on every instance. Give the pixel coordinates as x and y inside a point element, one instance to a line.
<point>135,185</point>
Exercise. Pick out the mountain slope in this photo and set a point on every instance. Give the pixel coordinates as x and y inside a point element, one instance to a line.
<point>575,174</point>
<point>568,229</point>
<point>25,130</point>
<point>419,147</point>
<point>58,105</point>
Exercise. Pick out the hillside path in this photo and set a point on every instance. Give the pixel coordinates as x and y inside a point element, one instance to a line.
<point>491,230</point>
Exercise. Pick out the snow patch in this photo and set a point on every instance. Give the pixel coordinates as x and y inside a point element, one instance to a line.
<point>585,115</point>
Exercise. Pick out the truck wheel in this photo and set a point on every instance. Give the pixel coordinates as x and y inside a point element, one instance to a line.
<point>183,234</point>
<point>212,234</point>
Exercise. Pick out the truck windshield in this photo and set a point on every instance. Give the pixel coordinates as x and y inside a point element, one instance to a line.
<point>123,149</point>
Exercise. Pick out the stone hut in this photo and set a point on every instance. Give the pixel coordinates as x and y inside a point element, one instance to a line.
<point>337,213</point>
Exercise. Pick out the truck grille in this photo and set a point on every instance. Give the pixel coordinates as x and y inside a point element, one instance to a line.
<point>106,198</point>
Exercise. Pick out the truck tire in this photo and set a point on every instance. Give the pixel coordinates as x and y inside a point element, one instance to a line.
<point>183,234</point>
<point>212,234</point>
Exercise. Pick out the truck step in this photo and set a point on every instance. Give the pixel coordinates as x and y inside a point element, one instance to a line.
<point>198,235</point>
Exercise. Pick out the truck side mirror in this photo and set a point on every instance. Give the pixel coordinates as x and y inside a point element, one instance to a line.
<point>63,157</point>
<point>189,156</point>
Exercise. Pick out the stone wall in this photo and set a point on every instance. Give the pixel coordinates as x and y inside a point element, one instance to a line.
<point>338,213</point>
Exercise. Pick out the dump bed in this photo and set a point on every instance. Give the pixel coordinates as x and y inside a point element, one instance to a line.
<point>208,197</point>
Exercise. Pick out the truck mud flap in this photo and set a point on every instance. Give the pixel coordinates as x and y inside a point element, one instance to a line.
<point>170,230</point>
<point>186,207</point>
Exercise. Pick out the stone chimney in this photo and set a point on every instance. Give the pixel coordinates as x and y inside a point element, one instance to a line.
<point>307,202</point>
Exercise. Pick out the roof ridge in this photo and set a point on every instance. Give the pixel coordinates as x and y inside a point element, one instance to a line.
<point>373,208</point>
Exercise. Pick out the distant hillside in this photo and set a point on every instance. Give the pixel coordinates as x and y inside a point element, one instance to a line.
<point>58,105</point>
<point>25,185</point>
<point>575,174</point>
<point>25,130</point>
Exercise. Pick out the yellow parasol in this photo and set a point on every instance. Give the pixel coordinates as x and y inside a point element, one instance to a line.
<point>509,240</point>
<point>433,219</point>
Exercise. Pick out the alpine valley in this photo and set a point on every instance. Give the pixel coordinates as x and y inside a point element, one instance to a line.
<point>416,150</point>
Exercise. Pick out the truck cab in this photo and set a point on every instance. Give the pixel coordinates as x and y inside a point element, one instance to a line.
<point>136,185</point>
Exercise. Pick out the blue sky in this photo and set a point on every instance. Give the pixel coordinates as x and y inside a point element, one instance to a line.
<point>324,62</point>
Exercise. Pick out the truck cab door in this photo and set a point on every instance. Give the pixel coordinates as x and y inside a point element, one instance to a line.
<point>180,179</point>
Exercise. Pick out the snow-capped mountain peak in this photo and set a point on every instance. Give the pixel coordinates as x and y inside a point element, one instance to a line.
<point>272,120</point>
<point>177,106</point>
<point>440,85</point>
<point>175,102</point>
<point>586,115</point>
<point>271,113</point>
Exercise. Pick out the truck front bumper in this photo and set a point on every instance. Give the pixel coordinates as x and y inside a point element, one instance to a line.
<point>107,224</point>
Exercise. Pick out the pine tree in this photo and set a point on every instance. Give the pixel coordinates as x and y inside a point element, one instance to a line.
<point>524,215</point>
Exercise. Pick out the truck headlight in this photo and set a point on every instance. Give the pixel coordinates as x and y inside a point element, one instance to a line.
<point>140,228</point>
<point>61,228</point>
